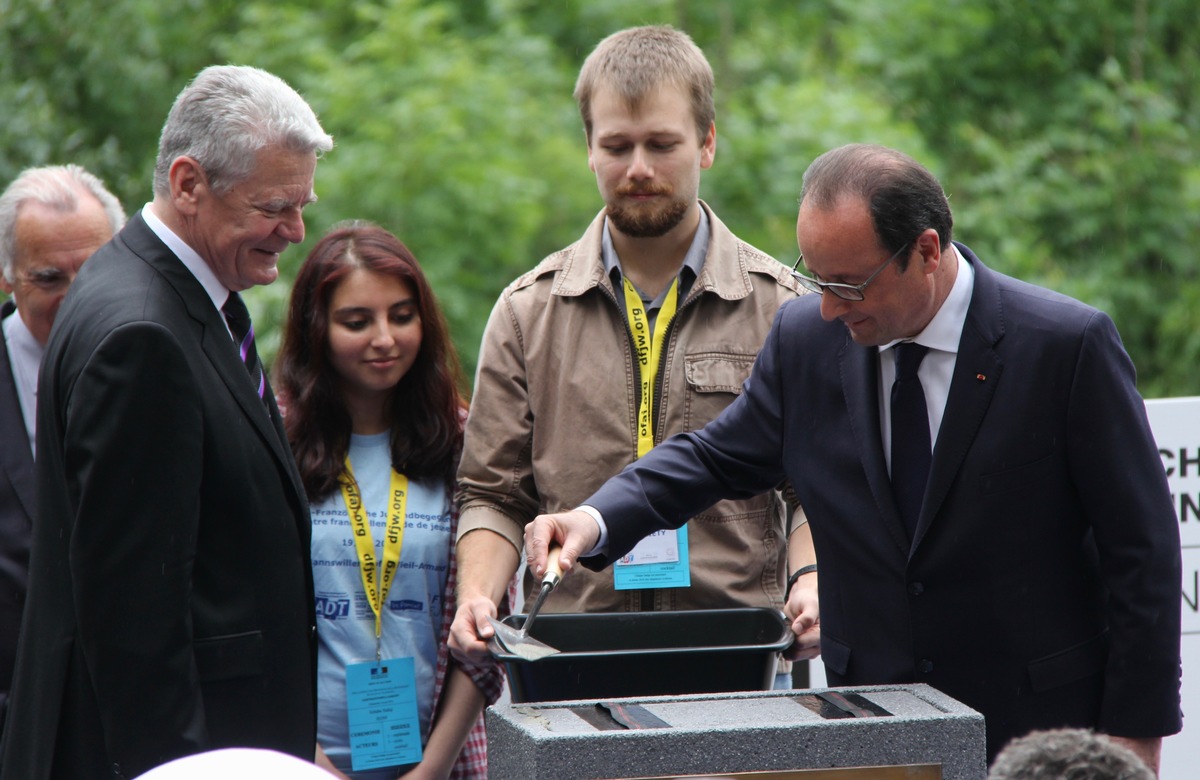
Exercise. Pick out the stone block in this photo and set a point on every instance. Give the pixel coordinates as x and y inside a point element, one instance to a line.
<point>729,733</point>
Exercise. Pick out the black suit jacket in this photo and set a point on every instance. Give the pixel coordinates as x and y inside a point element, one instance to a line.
<point>1042,588</point>
<point>16,513</point>
<point>170,591</point>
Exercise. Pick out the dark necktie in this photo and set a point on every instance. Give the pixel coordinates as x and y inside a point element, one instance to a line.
<point>911,448</point>
<point>238,318</point>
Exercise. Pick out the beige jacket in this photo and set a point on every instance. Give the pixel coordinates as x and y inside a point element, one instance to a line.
<point>556,395</point>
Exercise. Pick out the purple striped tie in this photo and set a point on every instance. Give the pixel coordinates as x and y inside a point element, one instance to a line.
<point>238,317</point>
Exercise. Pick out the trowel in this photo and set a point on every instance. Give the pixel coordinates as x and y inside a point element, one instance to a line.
<point>520,643</point>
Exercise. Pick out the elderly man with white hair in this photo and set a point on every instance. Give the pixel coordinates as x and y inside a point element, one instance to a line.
<point>52,218</point>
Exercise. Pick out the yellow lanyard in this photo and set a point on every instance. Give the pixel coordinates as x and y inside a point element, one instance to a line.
<point>648,344</point>
<point>376,587</point>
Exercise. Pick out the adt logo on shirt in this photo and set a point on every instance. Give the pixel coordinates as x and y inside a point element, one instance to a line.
<point>333,608</point>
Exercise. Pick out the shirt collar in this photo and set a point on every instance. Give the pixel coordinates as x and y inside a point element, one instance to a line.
<point>25,359</point>
<point>191,260</point>
<point>693,261</point>
<point>944,331</point>
<point>20,338</point>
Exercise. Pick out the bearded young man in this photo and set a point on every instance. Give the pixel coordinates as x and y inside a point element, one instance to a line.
<point>645,327</point>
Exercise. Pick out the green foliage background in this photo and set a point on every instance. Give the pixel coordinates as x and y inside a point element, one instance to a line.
<point>1063,130</point>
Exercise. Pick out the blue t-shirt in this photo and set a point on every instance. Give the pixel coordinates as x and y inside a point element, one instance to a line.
<point>412,612</point>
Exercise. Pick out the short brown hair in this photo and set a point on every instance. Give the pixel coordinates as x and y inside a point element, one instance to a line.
<point>902,196</point>
<point>636,60</point>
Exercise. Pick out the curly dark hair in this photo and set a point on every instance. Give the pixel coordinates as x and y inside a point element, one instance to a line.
<point>425,408</point>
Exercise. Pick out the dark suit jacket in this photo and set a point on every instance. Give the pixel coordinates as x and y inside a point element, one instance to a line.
<point>170,592</point>
<point>16,512</point>
<point>1043,585</point>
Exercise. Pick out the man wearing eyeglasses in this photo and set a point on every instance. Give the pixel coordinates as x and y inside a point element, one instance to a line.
<point>52,219</point>
<point>1015,546</point>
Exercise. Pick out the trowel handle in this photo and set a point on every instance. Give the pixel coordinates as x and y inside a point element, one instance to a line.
<point>553,574</point>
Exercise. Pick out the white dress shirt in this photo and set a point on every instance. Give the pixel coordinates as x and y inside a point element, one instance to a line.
<point>25,360</point>
<point>204,274</point>
<point>941,335</point>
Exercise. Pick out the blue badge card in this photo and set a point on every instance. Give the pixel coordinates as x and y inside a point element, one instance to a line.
<point>385,729</point>
<point>658,561</point>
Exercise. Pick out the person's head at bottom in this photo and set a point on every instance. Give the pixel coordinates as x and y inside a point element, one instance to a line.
<point>237,764</point>
<point>1067,754</point>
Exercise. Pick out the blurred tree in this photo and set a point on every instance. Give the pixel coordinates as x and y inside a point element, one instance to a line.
<point>463,141</point>
<point>1062,130</point>
<point>90,82</point>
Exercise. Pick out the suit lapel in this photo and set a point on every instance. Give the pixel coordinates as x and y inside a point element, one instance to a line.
<point>977,371</point>
<point>859,368</point>
<point>16,461</point>
<point>222,353</point>
<point>276,418</point>
<point>217,344</point>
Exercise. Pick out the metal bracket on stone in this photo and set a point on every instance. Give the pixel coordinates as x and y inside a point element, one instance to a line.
<point>615,716</point>
<point>832,705</point>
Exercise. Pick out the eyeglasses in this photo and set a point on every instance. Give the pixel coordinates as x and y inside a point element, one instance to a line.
<point>49,279</point>
<point>847,292</point>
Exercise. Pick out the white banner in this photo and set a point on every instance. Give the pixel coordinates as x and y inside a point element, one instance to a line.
<point>1176,426</point>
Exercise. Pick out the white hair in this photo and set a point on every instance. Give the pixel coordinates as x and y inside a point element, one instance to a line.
<point>225,116</point>
<point>1067,754</point>
<point>55,186</point>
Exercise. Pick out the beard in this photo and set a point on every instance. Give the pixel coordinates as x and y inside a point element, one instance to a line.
<point>646,220</point>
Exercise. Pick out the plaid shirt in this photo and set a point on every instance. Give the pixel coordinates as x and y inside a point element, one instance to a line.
<point>487,676</point>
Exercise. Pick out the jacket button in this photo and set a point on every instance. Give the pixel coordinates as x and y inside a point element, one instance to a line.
<point>925,666</point>
<point>916,588</point>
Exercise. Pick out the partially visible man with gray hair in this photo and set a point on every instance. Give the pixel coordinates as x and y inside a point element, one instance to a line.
<point>170,605</point>
<point>1067,754</point>
<point>51,220</point>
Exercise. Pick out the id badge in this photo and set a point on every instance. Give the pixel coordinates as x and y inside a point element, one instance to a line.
<point>658,561</point>
<point>385,729</point>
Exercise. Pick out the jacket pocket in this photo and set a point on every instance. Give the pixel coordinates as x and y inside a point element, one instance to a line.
<point>717,372</point>
<point>835,655</point>
<point>714,379</point>
<point>229,657</point>
<point>1069,665</point>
